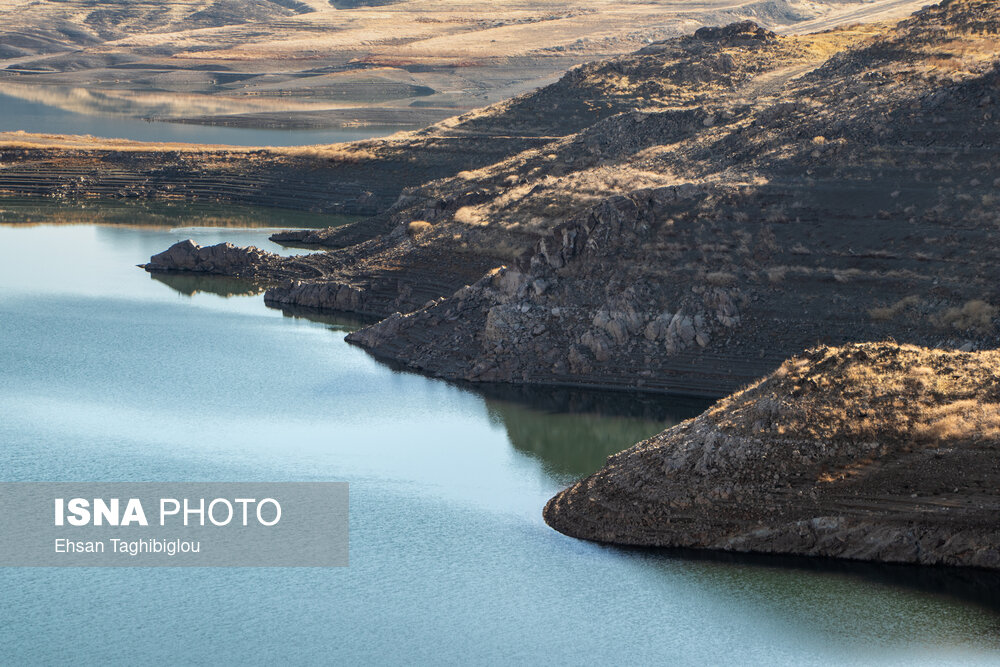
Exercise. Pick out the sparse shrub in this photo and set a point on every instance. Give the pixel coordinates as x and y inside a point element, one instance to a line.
<point>975,314</point>
<point>882,391</point>
<point>777,214</point>
<point>948,63</point>
<point>418,227</point>
<point>468,215</point>
<point>334,153</point>
<point>889,312</point>
<point>720,278</point>
<point>776,274</point>
<point>847,275</point>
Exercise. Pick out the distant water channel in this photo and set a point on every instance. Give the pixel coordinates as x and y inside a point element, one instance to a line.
<point>109,374</point>
<point>33,116</point>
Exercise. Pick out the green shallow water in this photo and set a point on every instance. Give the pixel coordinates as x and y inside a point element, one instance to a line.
<point>108,374</point>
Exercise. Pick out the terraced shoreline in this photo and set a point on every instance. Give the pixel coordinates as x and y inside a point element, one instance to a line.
<point>771,194</point>
<point>354,179</point>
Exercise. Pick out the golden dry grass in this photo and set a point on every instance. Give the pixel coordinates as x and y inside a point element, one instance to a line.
<point>73,142</point>
<point>976,315</point>
<point>872,392</point>
<point>418,227</point>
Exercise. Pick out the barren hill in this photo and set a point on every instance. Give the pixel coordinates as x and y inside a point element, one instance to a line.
<point>764,194</point>
<point>770,193</point>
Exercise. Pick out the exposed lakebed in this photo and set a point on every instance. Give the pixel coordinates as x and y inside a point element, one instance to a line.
<point>110,375</point>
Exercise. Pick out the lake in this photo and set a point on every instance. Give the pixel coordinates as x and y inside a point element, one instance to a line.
<point>108,374</point>
<point>29,115</point>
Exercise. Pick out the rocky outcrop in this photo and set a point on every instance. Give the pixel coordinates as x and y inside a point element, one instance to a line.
<point>870,452</point>
<point>738,33</point>
<point>320,295</point>
<point>222,259</point>
<point>836,206</point>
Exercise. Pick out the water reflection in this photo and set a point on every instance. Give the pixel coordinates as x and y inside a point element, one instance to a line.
<point>45,115</point>
<point>980,587</point>
<point>573,431</point>
<point>37,210</point>
<point>337,321</point>
<point>570,431</point>
<point>130,103</point>
<point>224,286</point>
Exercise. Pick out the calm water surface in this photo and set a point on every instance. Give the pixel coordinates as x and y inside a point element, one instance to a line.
<point>107,374</point>
<point>31,116</point>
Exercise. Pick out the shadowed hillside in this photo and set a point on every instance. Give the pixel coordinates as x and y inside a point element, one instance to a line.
<point>764,194</point>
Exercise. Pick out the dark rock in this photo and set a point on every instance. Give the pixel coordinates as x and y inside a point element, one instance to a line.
<point>223,259</point>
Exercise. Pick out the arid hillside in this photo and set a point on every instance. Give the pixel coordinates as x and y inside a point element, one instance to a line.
<point>763,194</point>
<point>313,63</point>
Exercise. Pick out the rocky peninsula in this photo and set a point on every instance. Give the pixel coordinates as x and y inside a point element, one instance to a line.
<point>870,452</point>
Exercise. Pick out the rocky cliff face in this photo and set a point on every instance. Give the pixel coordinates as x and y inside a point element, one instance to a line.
<point>870,452</point>
<point>764,194</point>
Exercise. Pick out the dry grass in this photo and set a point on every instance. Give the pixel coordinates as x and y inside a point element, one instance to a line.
<point>880,393</point>
<point>418,227</point>
<point>889,312</point>
<point>976,315</point>
<point>470,215</point>
<point>350,153</point>
<point>720,278</point>
<point>959,419</point>
<point>73,142</point>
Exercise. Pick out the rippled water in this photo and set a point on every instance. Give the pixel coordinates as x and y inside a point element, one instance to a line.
<point>108,374</point>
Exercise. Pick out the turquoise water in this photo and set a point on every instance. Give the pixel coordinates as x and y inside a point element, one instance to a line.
<point>107,374</point>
